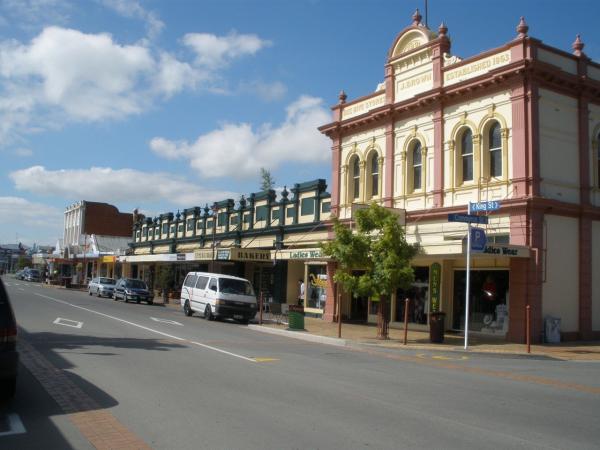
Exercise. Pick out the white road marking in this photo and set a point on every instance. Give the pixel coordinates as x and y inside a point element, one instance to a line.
<point>68,322</point>
<point>177,338</point>
<point>171,322</point>
<point>15,425</point>
<point>21,289</point>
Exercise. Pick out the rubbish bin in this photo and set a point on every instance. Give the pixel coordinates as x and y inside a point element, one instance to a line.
<point>552,330</point>
<point>436,327</point>
<point>296,317</point>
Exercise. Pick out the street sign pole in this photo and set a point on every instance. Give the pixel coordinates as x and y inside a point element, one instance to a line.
<point>468,289</point>
<point>468,286</point>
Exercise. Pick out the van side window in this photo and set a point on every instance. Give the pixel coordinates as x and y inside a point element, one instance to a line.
<point>190,281</point>
<point>213,284</point>
<point>201,283</point>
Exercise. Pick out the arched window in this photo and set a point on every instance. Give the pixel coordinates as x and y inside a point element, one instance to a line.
<point>466,153</point>
<point>495,149</point>
<point>417,166</point>
<point>598,161</point>
<point>374,175</point>
<point>355,179</point>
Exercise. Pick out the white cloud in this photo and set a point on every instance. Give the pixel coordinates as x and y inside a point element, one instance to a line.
<point>30,13</point>
<point>23,152</point>
<point>17,210</point>
<point>266,91</point>
<point>240,151</point>
<point>66,75</point>
<point>115,185</point>
<point>134,10</point>
<point>215,51</point>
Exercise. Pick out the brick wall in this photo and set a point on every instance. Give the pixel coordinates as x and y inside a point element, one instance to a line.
<point>104,219</point>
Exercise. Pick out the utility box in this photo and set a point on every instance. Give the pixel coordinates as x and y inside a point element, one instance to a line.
<point>552,330</point>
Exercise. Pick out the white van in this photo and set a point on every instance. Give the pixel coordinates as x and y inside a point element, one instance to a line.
<point>218,296</point>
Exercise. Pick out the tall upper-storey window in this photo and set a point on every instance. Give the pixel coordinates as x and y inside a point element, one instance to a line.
<point>466,153</point>
<point>417,166</point>
<point>374,175</point>
<point>598,162</point>
<point>495,149</point>
<point>355,178</point>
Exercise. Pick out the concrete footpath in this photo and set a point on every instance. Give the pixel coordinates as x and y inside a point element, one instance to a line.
<point>318,330</point>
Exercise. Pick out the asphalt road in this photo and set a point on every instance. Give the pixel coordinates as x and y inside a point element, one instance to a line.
<point>179,382</point>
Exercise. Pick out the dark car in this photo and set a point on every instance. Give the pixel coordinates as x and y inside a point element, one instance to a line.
<point>9,358</point>
<point>33,275</point>
<point>132,289</point>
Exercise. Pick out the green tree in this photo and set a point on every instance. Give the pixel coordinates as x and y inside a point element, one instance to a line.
<point>373,260</point>
<point>23,262</point>
<point>266,180</point>
<point>165,281</point>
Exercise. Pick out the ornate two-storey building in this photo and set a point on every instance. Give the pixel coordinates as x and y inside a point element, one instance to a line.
<point>518,125</point>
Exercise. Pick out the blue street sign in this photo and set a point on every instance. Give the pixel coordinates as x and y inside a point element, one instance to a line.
<point>467,218</point>
<point>478,239</point>
<point>484,206</point>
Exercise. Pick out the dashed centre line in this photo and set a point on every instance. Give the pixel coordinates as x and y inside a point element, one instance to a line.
<point>133,324</point>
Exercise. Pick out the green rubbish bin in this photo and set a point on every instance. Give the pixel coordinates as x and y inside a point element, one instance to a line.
<point>296,317</point>
<point>437,327</point>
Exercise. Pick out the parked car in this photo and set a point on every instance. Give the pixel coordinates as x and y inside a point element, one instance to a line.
<point>19,274</point>
<point>132,289</point>
<point>33,275</point>
<point>102,286</point>
<point>218,296</point>
<point>9,358</point>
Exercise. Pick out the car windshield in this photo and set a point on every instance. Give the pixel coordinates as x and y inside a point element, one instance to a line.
<point>34,272</point>
<point>136,284</point>
<point>107,281</point>
<point>230,286</point>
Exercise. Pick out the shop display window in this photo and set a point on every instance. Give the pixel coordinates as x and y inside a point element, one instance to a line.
<point>488,303</point>
<point>316,294</point>
<point>418,293</point>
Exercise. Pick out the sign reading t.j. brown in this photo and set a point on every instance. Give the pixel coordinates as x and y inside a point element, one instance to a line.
<point>435,276</point>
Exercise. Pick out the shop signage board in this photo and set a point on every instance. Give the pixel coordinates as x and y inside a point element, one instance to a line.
<point>248,254</point>
<point>434,286</point>
<point>301,253</point>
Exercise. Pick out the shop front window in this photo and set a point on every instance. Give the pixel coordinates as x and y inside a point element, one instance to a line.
<point>418,295</point>
<point>316,294</point>
<point>488,301</point>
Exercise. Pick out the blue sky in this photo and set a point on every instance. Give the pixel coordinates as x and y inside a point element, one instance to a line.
<point>168,104</point>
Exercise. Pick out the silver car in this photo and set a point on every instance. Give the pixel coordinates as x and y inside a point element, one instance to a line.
<point>102,286</point>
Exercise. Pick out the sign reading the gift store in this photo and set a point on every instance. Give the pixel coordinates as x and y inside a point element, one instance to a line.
<point>435,276</point>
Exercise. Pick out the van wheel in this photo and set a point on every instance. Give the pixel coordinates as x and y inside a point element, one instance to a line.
<point>186,309</point>
<point>208,315</point>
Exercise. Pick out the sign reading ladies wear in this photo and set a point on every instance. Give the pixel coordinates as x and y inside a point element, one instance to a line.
<point>435,276</point>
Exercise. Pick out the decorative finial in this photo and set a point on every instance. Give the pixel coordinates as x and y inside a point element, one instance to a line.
<point>443,29</point>
<point>285,193</point>
<point>206,209</point>
<point>242,202</point>
<point>178,215</point>
<point>416,17</point>
<point>342,97</point>
<point>522,28</point>
<point>578,46</point>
